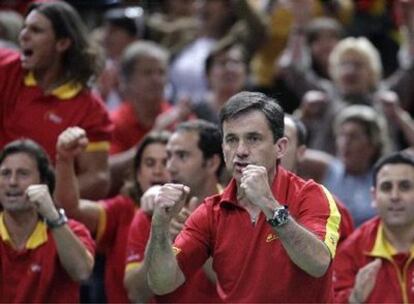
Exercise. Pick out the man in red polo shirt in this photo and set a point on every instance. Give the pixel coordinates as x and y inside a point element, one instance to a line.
<point>375,264</point>
<point>143,73</point>
<point>194,159</point>
<point>272,235</point>
<point>45,89</point>
<point>43,256</point>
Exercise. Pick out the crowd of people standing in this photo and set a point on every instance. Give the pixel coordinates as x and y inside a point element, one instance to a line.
<point>207,151</point>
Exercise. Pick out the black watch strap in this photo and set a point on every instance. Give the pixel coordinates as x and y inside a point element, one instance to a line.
<point>59,222</point>
<point>280,217</point>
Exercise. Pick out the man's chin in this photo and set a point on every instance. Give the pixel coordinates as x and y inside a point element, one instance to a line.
<point>16,207</point>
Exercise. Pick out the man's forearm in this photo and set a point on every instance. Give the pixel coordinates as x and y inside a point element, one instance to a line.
<point>304,248</point>
<point>75,258</point>
<point>164,274</point>
<point>135,283</point>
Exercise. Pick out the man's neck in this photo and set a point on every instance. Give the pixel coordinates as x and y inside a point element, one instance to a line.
<point>401,238</point>
<point>50,78</point>
<point>20,226</point>
<point>148,113</point>
<point>209,188</point>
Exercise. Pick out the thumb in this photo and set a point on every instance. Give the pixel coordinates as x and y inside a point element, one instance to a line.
<point>193,203</point>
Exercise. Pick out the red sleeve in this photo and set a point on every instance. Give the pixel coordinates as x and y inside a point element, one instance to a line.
<point>138,237</point>
<point>346,265</point>
<point>96,120</point>
<point>11,75</point>
<point>111,220</point>
<point>83,235</point>
<point>317,211</point>
<point>192,245</point>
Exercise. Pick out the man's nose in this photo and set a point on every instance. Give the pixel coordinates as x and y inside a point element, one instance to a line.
<point>242,148</point>
<point>395,193</point>
<point>13,179</point>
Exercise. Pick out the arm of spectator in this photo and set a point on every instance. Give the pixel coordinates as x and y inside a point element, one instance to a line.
<point>340,9</point>
<point>397,115</point>
<point>148,198</point>
<point>303,247</point>
<point>365,282</point>
<point>180,112</point>
<point>71,143</point>
<point>314,164</point>
<point>312,106</point>
<point>93,174</point>
<point>293,66</point>
<point>73,255</point>
<point>402,79</point>
<point>251,31</point>
<point>135,282</point>
<point>164,274</point>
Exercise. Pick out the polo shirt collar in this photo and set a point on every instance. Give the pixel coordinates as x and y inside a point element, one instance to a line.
<point>66,91</point>
<point>36,239</point>
<point>382,248</point>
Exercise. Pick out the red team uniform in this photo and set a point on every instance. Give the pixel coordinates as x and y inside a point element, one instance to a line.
<point>198,289</point>
<point>395,279</point>
<point>111,238</point>
<point>35,274</point>
<point>25,110</point>
<point>128,131</point>
<point>220,227</point>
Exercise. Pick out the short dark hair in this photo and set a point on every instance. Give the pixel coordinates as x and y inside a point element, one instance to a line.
<point>35,151</point>
<point>83,59</point>
<point>209,138</point>
<point>244,102</point>
<point>130,19</point>
<point>137,51</point>
<point>400,157</point>
<point>131,187</point>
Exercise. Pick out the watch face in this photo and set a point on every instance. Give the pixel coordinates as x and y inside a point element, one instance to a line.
<point>280,217</point>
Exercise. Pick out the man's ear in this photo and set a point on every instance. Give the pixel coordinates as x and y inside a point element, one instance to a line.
<point>300,153</point>
<point>374,198</point>
<point>281,147</point>
<point>63,44</point>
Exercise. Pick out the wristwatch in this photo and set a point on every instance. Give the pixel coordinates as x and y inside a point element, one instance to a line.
<point>59,222</point>
<point>280,217</point>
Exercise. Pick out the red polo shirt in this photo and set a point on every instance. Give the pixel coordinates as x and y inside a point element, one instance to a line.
<point>35,273</point>
<point>196,290</point>
<point>128,130</point>
<point>250,261</point>
<point>395,279</point>
<point>115,218</point>
<point>25,110</point>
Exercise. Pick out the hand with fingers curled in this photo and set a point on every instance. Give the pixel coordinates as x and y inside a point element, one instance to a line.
<point>255,185</point>
<point>40,197</point>
<point>71,143</point>
<point>168,202</point>
<point>365,282</point>
<point>148,199</point>
<point>177,222</point>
